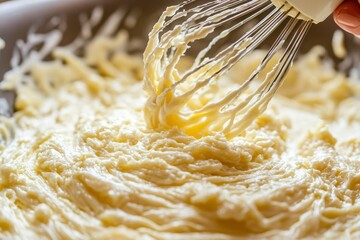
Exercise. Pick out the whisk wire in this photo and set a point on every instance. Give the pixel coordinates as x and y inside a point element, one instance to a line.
<point>267,26</point>
<point>180,51</point>
<point>225,33</point>
<point>211,24</point>
<point>183,96</point>
<point>199,62</point>
<point>292,50</point>
<point>229,51</point>
<point>285,62</point>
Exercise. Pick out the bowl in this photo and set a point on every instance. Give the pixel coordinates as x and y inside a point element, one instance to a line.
<point>40,14</point>
<point>14,29</point>
<point>37,16</point>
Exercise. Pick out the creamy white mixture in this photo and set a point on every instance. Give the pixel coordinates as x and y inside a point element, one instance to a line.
<point>79,161</point>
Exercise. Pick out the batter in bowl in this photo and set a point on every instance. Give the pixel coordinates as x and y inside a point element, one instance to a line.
<point>82,164</point>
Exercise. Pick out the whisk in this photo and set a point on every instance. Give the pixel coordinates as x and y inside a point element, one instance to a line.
<point>188,93</point>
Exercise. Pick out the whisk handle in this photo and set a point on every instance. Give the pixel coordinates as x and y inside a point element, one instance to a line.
<point>317,10</point>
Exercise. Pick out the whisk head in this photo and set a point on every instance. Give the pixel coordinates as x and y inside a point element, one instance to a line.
<point>187,92</point>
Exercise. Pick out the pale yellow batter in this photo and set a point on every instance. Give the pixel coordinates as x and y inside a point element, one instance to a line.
<point>78,161</point>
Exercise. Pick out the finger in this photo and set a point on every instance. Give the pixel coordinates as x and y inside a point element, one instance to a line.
<point>347,16</point>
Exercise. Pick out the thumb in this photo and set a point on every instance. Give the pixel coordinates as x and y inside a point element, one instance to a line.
<point>347,16</point>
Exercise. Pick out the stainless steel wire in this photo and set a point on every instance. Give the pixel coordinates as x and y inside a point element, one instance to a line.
<point>212,25</point>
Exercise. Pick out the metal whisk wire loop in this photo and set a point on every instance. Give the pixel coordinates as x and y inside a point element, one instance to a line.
<point>189,98</point>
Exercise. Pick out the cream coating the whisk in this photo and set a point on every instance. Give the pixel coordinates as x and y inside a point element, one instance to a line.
<point>187,97</point>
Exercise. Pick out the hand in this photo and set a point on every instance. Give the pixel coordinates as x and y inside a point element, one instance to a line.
<point>347,16</point>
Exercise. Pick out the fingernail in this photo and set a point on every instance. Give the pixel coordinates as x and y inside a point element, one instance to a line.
<point>347,16</point>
